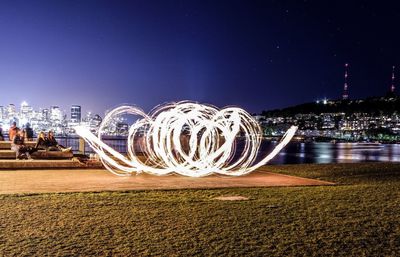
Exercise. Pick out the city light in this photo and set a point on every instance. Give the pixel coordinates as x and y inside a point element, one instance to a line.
<point>45,119</point>
<point>186,138</point>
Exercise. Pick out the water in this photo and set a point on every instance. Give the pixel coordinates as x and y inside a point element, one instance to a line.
<point>293,153</point>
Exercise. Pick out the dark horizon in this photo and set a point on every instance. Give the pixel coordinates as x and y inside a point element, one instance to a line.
<point>257,55</point>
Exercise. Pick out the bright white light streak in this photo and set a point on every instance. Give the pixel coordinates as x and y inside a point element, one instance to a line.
<point>186,138</point>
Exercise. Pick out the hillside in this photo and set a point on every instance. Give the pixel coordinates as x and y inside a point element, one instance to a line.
<point>373,105</point>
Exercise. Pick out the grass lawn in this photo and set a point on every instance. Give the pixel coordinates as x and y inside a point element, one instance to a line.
<point>360,216</point>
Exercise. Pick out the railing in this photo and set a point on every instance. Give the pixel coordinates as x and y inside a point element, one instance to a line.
<point>118,143</point>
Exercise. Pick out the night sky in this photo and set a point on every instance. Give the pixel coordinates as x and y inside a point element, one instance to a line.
<point>253,54</point>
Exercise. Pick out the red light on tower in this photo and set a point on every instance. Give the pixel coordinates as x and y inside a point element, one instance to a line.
<point>392,87</point>
<point>345,95</point>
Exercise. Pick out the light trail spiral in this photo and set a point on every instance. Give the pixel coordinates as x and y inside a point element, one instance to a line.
<point>185,138</point>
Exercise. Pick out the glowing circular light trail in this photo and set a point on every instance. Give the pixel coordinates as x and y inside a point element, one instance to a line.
<point>186,138</point>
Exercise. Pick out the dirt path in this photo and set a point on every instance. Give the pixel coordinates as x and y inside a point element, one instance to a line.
<point>43,181</point>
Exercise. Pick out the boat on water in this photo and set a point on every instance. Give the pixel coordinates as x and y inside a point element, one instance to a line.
<point>368,146</point>
<point>374,144</point>
<point>361,146</point>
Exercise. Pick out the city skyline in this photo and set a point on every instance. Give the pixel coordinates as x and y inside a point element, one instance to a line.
<point>256,55</point>
<point>52,118</point>
<point>64,109</point>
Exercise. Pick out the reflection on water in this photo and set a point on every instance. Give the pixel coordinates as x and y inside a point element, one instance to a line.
<point>294,152</point>
<point>335,153</point>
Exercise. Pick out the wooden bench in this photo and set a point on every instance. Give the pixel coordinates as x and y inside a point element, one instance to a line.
<point>6,145</point>
<point>41,154</point>
<point>43,164</point>
<point>7,153</point>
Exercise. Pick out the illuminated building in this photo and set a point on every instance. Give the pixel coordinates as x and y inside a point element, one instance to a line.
<point>76,114</point>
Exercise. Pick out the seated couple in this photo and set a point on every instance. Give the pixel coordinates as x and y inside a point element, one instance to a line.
<point>48,143</point>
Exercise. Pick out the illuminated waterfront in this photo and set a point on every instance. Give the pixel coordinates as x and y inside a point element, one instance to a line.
<point>295,152</point>
<point>336,153</point>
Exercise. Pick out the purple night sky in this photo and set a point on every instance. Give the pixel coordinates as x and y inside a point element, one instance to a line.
<point>254,54</point>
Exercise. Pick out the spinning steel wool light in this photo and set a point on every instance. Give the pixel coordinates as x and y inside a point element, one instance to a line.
<point>186,138</point>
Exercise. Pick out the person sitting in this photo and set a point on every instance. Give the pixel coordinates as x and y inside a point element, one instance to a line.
<point>53,145</point>
<point>41,142</point>
<point>1,134</point>
<point>18,145</point>
<point>28,132</point>
<point>13,131</point>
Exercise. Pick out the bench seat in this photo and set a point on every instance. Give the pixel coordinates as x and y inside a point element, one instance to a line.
<point>45,155</point>
<point>6,145</point>
<point>52,155</point>
<point>42,164</point>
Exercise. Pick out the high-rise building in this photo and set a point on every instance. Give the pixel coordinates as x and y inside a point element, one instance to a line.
<point>55,114</point>
<point>2,113</point>
<point>45,114</point>
<point>76,113</point>
<point>345,95</point>
<point>11,111</point>
<point>26,110</point>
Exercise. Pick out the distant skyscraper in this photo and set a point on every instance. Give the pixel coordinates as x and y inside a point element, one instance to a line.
<point>76,113</point>
<point>45,114</point>
<point>2,113</point>
<point>55,114</point>
<point>26,110</point>
<point>11,111</point>
<point>345,95</point>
